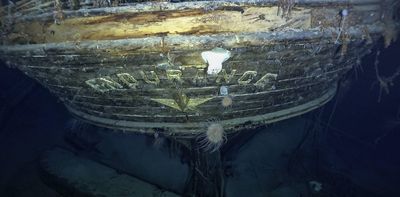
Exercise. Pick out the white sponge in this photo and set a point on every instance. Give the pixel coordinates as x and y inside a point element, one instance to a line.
<point>215,58</point>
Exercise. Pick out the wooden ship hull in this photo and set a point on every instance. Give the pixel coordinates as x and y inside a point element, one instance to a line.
<point>143,66</point>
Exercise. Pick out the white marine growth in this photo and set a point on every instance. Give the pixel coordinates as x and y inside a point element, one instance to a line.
<point>215,58</point>
<point>213,138</point>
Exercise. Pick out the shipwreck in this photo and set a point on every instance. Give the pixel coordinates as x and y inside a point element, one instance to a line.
<point>173,66</point>
<point>184,69</point>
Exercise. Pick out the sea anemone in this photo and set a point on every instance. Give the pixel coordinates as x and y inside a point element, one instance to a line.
<point>226,101</point>
<point>213,138</point>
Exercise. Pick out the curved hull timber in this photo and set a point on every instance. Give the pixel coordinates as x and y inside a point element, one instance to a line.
<point>142,67</point>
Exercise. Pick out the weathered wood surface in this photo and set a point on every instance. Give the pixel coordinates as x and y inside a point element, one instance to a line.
<point>187,18</point>
<point>139,67</point>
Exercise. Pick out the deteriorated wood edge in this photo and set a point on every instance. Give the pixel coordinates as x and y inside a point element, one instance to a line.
<point>231,125</point>
<point>188,41</point>
<point>206,5</point>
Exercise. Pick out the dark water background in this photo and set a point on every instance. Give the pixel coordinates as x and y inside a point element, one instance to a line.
<point>362,134</point>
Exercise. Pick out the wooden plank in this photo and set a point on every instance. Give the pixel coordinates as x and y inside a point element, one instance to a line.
<point>157,23</point>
